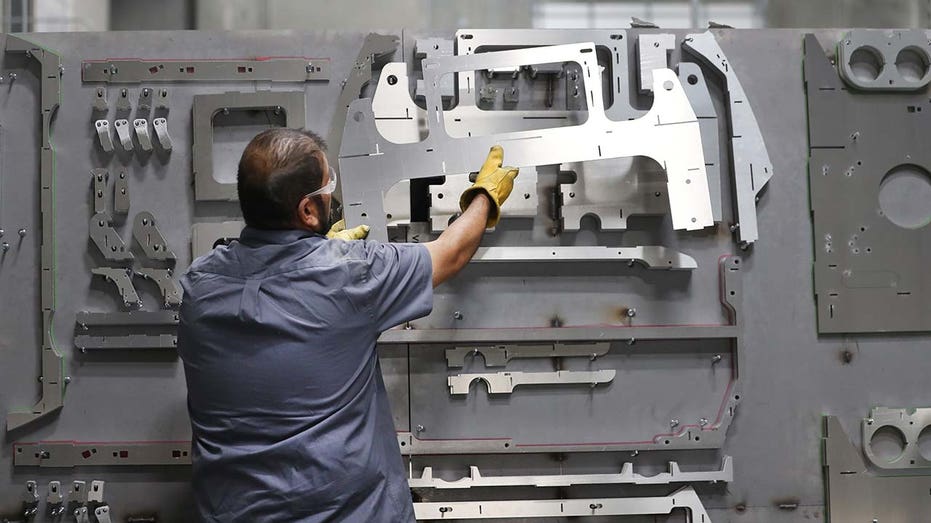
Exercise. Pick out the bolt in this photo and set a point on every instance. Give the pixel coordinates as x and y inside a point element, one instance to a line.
<point>61,70</point>
<point>309,68</point>
<point>594,357</point>
<point>734,227</point>
<point>277,109</point>
<point>716,359</point>
<point>5,246</point>
<point>674,423</point>
<point>226,110</point>
<point>631,312</point>
<point>1,233</point>
<point>457,315</point>
<point>41,379</point>
<point>635,453</point>
<point>631,341</point>
<point>67,380</point>
<point>12,76</point>
<point>702,422</point>
<point>419,428</point>
<point>22,233</point>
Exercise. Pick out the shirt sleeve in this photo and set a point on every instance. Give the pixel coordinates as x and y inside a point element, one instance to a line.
<point>400,282</point>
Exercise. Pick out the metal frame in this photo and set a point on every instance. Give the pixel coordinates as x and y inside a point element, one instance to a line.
<point>500,355</point>
<point>206,106</point>
<point>910,423</point>
<point>505,382</point>
<point>265,69</point>
<point>670,120</point>
<point>686,436</point>
<point>52,376</point>
<point>626,476</point>
<point>684,498</point>
<point>885,45</point>
<point>751,163</point>
<point>870,275</point>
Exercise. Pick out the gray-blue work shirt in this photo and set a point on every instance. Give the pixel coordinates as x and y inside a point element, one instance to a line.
<point>289,412</point>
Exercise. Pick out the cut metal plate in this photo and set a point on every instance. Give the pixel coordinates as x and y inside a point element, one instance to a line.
<point>107,240</point>
<point>500,355</point>
<point>147,235</point>
<point>141,126</point>
<point>751,163</point>
<point>653,52</point>
<point>613,191</point>
<point>206,106</point>
<point>103,135</point>
<point>627,476</point>
<point>505,382</point>
<point>124,134</point>
<point>132,342</point>
<point>653,257</point>
<point>124,285</point>
<point>444,198</point>
<point>133,71</point>
<point>871,274</point>
<point>100,177</point>
<point>670,121</point>
<point>910,424</point>
<point>85,319</point>
<point>161,133</point>
<point>855,494</point>
<point>120,194</point>
<point>167,286</point>
<point>684,498</point>
<point>66,454</point>
<point>885,60</point>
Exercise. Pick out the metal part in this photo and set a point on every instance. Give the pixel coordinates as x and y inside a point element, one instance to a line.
<point>161,132</point>
<point>500,355</point>
<point>132,71</point>
<point>602,189</point>
<point>751,164</point>
<point>103,514</point>
<point>696,88</point>
<point>55,500</point>
<point>653,257</point>
<point>162,100</point>
<point>444,198</point>
<point>141,126</point>
<point>95,493</point>
<point>653,51</point>
<point>870,273</point>
<point>145,101</point>
<point>853,493</point>
<point>120,194</point>
<point>52,372</point>
<point>205,235</point>
<point>85,319</point>
<point>100,177</point>
<point>171,292</point>
<point>31,500</point>
<point>627,476</point>
<point>670,120</point>
<point>100,104</point>
<point>122,278</point>
<point>107,240</point>
<point>67,454</point>
<point>376,49</point>
<point>684,498</point>
<point>78,493</point>
<point>885,60</point>
<point>123,133</point>
<point>86,342</point>
<point>81,515</point>
<point>428,48</point>
<point>910,423</point>
<point>206,106</point>
<point>103,135</point>
<point>147,235</point>
<point>504,382</point>
<point>123,105</point>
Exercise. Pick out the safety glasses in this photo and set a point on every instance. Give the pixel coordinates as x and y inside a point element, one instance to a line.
<point>326,189</point>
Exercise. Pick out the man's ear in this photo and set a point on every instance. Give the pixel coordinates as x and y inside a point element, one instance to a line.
<point>307,214</point>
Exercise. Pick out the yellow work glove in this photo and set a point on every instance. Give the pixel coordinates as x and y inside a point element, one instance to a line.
<point>339,232</point>
<point>495,181</point>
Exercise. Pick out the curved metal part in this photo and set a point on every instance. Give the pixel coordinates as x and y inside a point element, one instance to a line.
<point>107,240</point>
<point>499,355</point>
<point>161,133</point>
<point>145,101</point>
<point>141,126</point>
<point>123,133</point>
<point>504,382</point>
<point>862,49</point>
<point>627,476</point>
<point>671,120</point>
<point>122,278</point>
<point>652,256</point>
<point>910,423</point>
<point>696,88</point>
<point>751,163</point>
<point>171,292</point>
<point>52,373</point>
<point>150,238</point>
<point>684,498</point>
<point>103,135</point>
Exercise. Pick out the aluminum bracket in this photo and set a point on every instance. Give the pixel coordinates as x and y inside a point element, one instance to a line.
<point>652,257</point>
<point>910,423</point>
<point>206,107</point>
<point>147,235</point>
<point>100,177</point>
<point>120,194</point>
<point>500,355</point>
<point>86,342</point>
<point>81,515</point>
<point>670,120</point>
<point>684,498</point>
<point>107,240</point>
<point>751,163</point>
<point>653,51</point>
<point>95,493</point>
<point>696,88</point>
<point>123,133</point>
<point>141,126</point>
<point>67,454</point>
<point>123,105</point>
<point>171,292</point>
<point>124,285</point>
<point>505,382</point>
<point>265,69</point>
<point>161,133</point>
<point>100,103</point>
<point>103,514</point>
<point>627,476</point>
<point>145,101</point>
<point>103,135</point>
<point>85,319</point>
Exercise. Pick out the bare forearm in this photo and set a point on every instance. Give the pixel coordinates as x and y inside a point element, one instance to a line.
<point>458,243</point>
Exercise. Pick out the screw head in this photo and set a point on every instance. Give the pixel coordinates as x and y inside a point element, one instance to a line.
<point>631,312</point>
<point>674,423</point>
<point>419,428</point>
<point>5,246</point>
<point>457,315</point>
<point>702,422</point>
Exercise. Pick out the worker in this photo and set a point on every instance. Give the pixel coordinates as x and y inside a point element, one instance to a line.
<point>289,414</point>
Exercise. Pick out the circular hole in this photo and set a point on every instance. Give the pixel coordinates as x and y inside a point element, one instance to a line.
<point>887,443</point>
<point>392,79</point>
<point>737,397</point>
<point>403,443</point>
<point>733,293</point>
<point>692,79</point>
<point>388,216</point>
<point>364,215</point>
<point>507,445</point>
<point>440,196</point>
<point>905,196</point>
<point>666,442</point>
<point>697,438</point>
<point>358,116</point>
<point>924,443</point>
<point>912,64</point>
<point>866,63</point>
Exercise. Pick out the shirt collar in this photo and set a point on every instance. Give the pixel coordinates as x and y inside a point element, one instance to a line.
<point>275,236</point>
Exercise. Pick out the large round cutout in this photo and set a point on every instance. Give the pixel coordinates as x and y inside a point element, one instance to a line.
<point>905,196</point>
<point>887,443</point>
<point>924,443</point>
<point>866,63</point>
<point>912,64</point>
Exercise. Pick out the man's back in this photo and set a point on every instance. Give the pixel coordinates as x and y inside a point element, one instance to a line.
<point>289,413</point>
